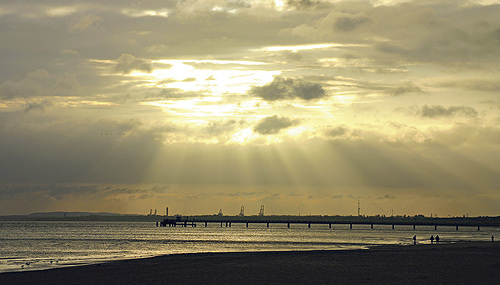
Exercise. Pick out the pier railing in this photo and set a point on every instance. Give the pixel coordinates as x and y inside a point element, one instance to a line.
<point>227,221</point>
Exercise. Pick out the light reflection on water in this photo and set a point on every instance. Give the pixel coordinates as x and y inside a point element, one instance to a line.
<point>42,245</point>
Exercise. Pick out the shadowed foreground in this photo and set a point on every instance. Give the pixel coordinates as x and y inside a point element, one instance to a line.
<point>463,263</point>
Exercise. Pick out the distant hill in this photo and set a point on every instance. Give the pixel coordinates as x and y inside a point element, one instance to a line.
<point>70,214</point>
<point>78,216</point>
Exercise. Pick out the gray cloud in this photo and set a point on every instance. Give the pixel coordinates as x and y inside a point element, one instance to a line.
<point>126,63</point>
<point>273,125</point>
<point>40,83</point>
<point>288,88</point>
<point>222,127</point>
<point>36,106</point>
<point>474,84</point>
<point>436,111</point>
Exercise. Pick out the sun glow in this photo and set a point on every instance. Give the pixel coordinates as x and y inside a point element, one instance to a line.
<point>215,78</point>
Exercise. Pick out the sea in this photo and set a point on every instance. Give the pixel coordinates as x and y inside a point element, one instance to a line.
<point>40,245</point>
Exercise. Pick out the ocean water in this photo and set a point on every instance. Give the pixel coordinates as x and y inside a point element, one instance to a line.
<point>43,245</point>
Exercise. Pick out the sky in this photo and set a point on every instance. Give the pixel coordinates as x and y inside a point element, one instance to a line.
<point>302,106</point>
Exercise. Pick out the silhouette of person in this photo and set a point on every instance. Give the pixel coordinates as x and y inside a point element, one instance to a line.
<point>432,239</point>
<point>437,238</point>
<point>415,239</point>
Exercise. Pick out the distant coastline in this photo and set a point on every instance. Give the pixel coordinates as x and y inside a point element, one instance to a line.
<point>105,216</point>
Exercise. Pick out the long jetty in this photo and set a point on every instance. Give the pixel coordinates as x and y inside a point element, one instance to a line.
<point>193,221</point>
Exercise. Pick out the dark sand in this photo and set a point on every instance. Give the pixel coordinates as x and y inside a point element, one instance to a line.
<point>461,263</point>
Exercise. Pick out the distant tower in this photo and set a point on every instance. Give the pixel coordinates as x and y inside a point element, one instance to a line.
<point>166,212</point>
<point>242,211</point>
<point>155,213</point>
<point>359,208</point>
<point>261,213</point>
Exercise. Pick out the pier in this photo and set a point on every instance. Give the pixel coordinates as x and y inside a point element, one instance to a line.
<point>228,221</point>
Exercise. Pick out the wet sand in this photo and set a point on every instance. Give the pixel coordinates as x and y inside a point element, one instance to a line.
<point>460,263</point>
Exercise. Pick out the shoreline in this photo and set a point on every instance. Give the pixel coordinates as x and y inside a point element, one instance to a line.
<point>446,263</point>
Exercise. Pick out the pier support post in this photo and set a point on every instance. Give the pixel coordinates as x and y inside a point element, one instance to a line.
<point>156,224</point>
<point>350,226</point>
<point>309,225</point>
<point>329,226</point>
<point>221,224</point>
<point>229,224</point>
<point>268,225</point>
<point>247,225</point>
<point>372,226</point>
<point>392,226</point>
<point>456,228</point>
<point>205,224</point>
<point>414,227</point>
<point>478,228</point>
<point>288,225</point>
<point>435,227</point>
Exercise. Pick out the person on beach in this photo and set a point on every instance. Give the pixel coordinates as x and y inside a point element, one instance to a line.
<point>415,239</point>
<point>432,239</point>
<point>437,238</point>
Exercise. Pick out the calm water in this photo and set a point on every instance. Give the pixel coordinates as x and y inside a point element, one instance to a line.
<point>42,245</point>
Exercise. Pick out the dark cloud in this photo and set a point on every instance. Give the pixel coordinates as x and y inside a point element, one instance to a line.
<point>347,24</point>
<point>306,4</point>
<point>289,88</point>
<point>126,63</point>
<point>386,196</point>
<point>336,132</point>
<point>408,87</point>
<point>273,125</point>
<point>437,111</point>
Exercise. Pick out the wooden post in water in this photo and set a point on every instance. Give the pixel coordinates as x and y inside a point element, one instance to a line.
<point>350,226</point>
<point>268,225</point>
<point>413,226</point>
<point>205,224</point>
<point>329,225</point>
<point>456,228</point>
<point>435,227</point>
<point>309,225</point>
<point>392,226</point>
<point>372,226</point>
<point>478,228</point>
<point>247,224</point>
<point>288,225</point>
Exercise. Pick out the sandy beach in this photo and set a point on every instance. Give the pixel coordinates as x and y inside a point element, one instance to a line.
<point>454,263</point>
